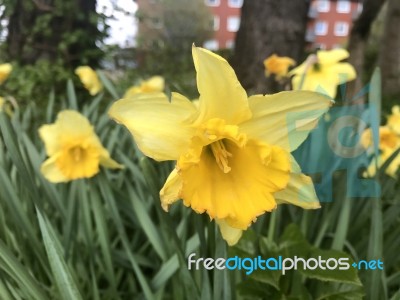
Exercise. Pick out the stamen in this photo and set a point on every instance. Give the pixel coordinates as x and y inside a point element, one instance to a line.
<point>77,153</point>
<point>221,155</point>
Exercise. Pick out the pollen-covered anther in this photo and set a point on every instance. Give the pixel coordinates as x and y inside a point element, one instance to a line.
<point>221,155</point>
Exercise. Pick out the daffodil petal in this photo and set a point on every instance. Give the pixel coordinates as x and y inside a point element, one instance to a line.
<point>154,84</point>
<point>171,191</point>
<point>71,123</point>
<point>161,129</point>
<point>332,56</point>
<point>344,71</point>
<point>221,95</point>
<point>321,82</point>
<point>5,70</point>
<point>230,234</point>
<point>107,162</point>
<point>50,136</point>
<point>299,70</point>
<point>299,191</point>
<point>245,191</point>
<point>51,171</point>
<point>285,119</point>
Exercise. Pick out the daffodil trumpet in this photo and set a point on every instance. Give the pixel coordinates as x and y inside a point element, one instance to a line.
<point>232,151</point>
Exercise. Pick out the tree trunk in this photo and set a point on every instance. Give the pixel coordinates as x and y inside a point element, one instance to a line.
<point>389,60</point>
<point>358,41</point>
<point>268,27</point>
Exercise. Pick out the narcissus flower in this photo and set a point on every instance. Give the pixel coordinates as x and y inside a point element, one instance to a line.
<point>5,70</point>
<point>323,72</point>
<point>389,142</point>
<point>278,65</point>
<point>393,120</point>
<point>73,148</point>
<point>89,79</point>
<point>232,152</point>
<point>154,84</point>
<point>388,139</point>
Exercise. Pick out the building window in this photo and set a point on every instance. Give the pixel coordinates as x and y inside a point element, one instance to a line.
<point>230,44</point>
<point>216,23</point>
<point>323,5</point>
<point>211,45</point>
<point>343,6</point>
<point>341,29</point>
<point>212,2</point>
<point>321,28</point>
<point>235,3</point>
<point>233,24</point>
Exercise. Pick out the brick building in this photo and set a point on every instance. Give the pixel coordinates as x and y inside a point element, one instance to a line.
<point>226,22</point>
<point>330,22</point>
<point>328,26</point>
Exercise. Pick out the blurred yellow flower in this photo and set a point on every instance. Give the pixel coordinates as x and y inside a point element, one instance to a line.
<point>278,65</point>
<point>154,84</point>
<point>73,148</point>
<point>5,70</point>
<point>390,170</point>
<point>393,120</point>
<point>232,152</point>
<point>389,142</point>
<point>323,72</point>
<point>89,79</point>
<point>388,139</point>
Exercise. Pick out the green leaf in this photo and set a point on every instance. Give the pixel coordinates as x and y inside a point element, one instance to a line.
<point>63,278</point>
<point>10,264</point>
<point>330,291</point>
<point>73,103</point>
<point>344,276</point>
<point>108,85</point>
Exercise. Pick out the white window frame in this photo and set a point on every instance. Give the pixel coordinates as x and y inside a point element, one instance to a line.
<point>323,5</point>
<point>233,3</point>
<point>216,23</point>
<point>214,44</point>
<point>341,25</point>
<point>214,3</point>
<point>343,6</point>
<point>229,23</point>
<point>321,32</point>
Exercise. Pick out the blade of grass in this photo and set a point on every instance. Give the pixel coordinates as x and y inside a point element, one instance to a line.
<point>64,280</point>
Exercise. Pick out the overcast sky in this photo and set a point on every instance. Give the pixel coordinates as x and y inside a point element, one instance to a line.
<point>123,26</point>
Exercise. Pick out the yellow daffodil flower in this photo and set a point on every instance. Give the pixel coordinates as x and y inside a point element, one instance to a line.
<point>73,148</point>
<point>390,170</point>
<point>323,72</point>
<point>5,70</point>
<point>153,85</point>
<point>278,65</point>
<point>89,79</point>
<point>389,142</point>
<point>232,152</point>
<point>388,139</point>
<point>393,120</point>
